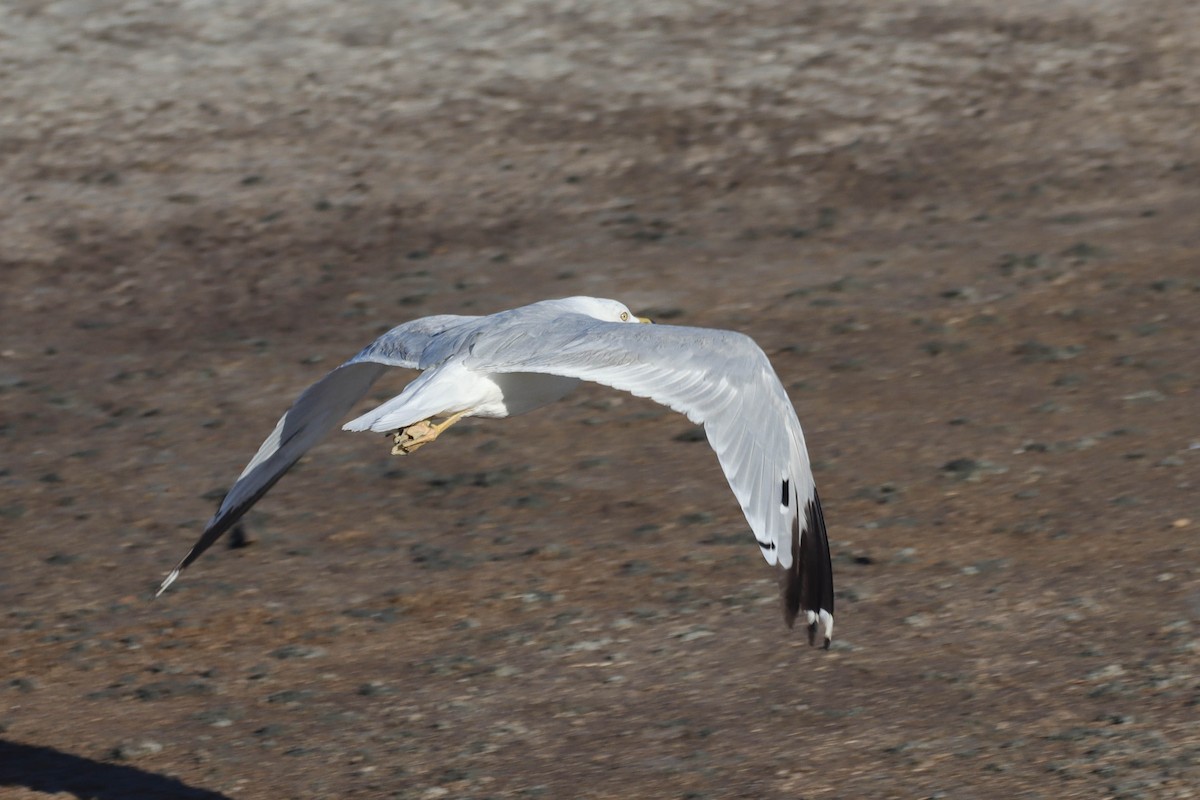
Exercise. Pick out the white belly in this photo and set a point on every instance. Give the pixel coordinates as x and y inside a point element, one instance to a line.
<point>525,391</point>
<point>450,388</point>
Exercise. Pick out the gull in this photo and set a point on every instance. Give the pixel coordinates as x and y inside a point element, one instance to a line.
<point>515,361</point>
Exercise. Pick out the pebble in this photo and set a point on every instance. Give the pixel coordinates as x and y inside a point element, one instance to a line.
<point>970,469</point>
<point>1146,396</point>
<point>131,751</point>
<point>289,696</point>
<point>374,689</point>
<point>160,690</point>
<point>298,651</point>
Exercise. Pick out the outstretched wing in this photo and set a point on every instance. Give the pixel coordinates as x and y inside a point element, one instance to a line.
<point>722,380</point>
<point>318,409</point>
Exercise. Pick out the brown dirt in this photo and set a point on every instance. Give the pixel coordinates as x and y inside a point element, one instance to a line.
<point>967,236</point>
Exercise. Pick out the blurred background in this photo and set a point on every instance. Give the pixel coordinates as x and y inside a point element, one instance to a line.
<point>965,234</point>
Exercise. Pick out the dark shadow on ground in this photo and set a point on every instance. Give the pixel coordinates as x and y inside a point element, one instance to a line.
<point>44,769</point>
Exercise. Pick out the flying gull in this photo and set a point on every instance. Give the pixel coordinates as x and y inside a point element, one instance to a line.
<point>518,360</point>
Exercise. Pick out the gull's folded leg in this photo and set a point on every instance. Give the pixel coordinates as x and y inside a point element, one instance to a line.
<point>421,433</point>
<point>405,439</point>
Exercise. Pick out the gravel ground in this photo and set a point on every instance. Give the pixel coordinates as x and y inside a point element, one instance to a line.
<point>966,235</point>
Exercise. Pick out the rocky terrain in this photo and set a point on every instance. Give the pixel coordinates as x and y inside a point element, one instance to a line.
<point>966,235</point>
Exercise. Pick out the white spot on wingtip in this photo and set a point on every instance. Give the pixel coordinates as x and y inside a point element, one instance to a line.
<point>812,617</point>
<point>826,625</point>
<point>169,580</point>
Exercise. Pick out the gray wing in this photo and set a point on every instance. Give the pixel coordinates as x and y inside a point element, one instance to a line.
<point>722,380</point>
<point>719,379</point>
<point>317,410</point>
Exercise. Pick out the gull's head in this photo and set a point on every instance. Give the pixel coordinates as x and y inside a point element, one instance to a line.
<point>600,308</point>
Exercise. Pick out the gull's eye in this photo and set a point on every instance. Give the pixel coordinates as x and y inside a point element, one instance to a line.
<point>624,316</point>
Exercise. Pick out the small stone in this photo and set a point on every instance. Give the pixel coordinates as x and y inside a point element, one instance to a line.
<point>961,466</point>
<point>884,493</point>
<point>289,696</point>
<point>374,689</point>
<point>1119,719</point>
<point>972,470</point>
<point>630,568</point>
<point>161,690</point>
<point>298,651</point>
<point>134,750</point>
<point>1033,352</point>
<point>24,685</point>
<point>554,550</point>
<point>1109,671</point>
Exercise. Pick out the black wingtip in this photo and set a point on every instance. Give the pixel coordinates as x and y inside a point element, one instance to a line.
<point>808,583</point>
<point>222,521</point>
<point>792,588</point>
